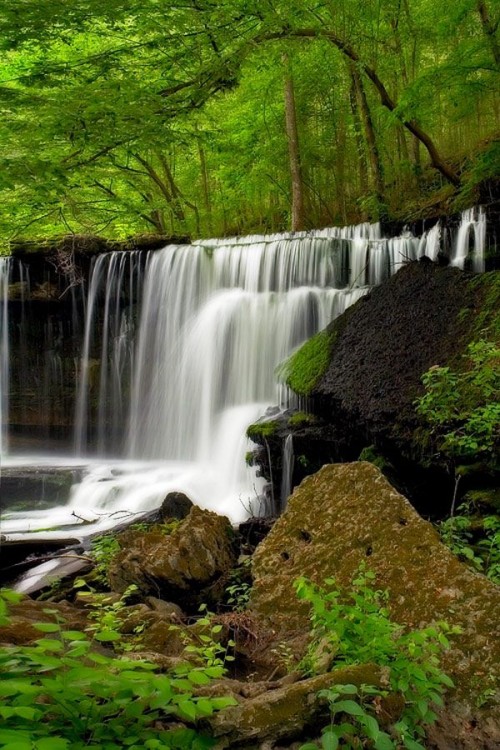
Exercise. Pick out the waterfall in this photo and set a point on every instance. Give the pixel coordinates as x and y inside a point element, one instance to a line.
<point>179,350</point>
<point>470,239</point>
<point>287,462</point>
<point>5,265</point>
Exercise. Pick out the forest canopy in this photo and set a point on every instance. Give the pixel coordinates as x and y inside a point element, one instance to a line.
<point>216,117</point>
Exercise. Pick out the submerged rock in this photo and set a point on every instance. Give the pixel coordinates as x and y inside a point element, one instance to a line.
<point>192,559</point>
<point>348,514</point>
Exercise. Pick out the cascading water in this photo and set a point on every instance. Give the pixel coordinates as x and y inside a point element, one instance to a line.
<point>287,470</point>
<point>4,352</point>
<point>179,353</point>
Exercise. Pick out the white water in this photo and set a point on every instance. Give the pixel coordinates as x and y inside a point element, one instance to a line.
<point>4,353</point>
<point>214,320</point>
<point>287,470</point>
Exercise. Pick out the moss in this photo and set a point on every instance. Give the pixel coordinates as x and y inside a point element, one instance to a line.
<point>303,370</point>
<point>301,418</point>
<point>262,429</point>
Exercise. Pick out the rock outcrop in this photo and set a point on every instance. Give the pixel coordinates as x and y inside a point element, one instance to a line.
<point>348,514</point>
<point>192,559</point>
<point>362,374</point>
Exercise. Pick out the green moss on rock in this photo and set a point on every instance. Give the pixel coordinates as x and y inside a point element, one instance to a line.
<point>262,430</point>
<point>308,364</point>
<point>301,418</point>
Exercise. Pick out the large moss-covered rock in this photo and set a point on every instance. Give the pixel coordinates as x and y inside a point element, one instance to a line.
<point>177,566</point>
<point>347,514</point>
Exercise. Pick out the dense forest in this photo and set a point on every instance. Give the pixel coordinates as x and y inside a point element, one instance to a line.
<point>211,118</point>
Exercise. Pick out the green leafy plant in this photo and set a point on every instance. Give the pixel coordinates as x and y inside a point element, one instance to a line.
<point>463,407</point>
<point>238,590</point>
<point>355,628</point>
<point>205,644</point>
<point>103,549</point>
<point>59,694</point>
<point>477,543</point>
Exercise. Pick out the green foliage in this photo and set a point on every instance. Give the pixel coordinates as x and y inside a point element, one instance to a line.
<point>303,370</point>
<point>103,549</point>
<point>170,117</point>
<point>239,587</point>
<point>301,418</point>
<point>475,541</point>
<point>463,407</point>
<point>355,628</point>
<point>60,694</point>
<point>206,647</point>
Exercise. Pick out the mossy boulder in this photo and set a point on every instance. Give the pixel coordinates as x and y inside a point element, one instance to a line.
<point>348,514</point>
<point>179,566</point>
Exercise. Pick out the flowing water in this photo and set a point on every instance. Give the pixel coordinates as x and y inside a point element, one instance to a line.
<point>178,356</point>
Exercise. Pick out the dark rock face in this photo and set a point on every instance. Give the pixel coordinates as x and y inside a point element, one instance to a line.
<point>387,341</point>
<point>425,315</point>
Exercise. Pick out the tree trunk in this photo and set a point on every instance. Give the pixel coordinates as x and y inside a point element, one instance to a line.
<point>360,145</point>
<point>298,213</point>
<point>490,29</point>
<point>371,140</point>
<point>437,160</point>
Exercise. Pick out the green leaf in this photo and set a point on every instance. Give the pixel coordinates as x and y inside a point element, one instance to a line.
<point>384,742</point>
<point>107,636</point>
<point>348,707</point>
<point>412,744</point>
<point>187,710</point>
<point>198,677</point>
<point>329,741</point>
<point>47,627</point>
<point>52,743</point>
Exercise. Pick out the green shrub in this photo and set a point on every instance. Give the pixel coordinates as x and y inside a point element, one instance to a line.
<point>479,547</point>
<point>355,628</point>
<point>463,407</point>
<point>60,694</point>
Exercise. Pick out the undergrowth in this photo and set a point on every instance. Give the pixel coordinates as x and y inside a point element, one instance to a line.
<point>355,628</point>
<point>60,693</point>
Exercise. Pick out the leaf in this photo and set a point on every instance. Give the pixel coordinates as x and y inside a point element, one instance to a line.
<point>205,706</point>
<point>329,740</point>
<point>74,635</point>
<point>47,627</point>
<point>198,677</point>
<point>52,743</point>
<point>187,710</point>
<point>384,742</point>
<point>348,707</point>
<point>107,636</point>
<point>412,744</point>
